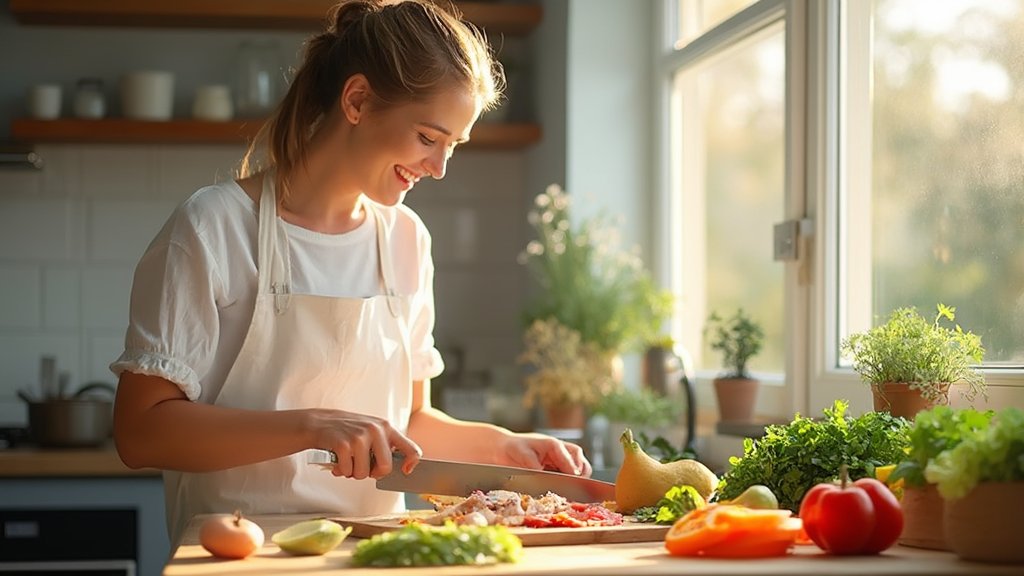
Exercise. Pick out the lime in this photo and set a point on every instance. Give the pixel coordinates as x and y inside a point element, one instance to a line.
<point>311,537</point>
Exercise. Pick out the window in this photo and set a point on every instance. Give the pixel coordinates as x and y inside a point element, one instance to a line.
<point>893,130</point>
<point>727,182</point>
<point>946,172</point>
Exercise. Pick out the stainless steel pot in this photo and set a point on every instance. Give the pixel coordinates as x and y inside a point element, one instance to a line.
<point>73,422</point>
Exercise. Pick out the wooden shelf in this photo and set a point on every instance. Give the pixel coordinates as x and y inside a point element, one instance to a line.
<point>123,131</point>
<point>512,19</point>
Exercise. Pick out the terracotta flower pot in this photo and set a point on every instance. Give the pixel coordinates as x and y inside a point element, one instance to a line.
<point>565,416</point>
<point>736,398</point>
<point>923,518</point>
<point>899,399</point>
<point>984,525</point>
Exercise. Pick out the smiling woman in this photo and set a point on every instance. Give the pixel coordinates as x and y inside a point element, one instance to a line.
<point>293,308</point>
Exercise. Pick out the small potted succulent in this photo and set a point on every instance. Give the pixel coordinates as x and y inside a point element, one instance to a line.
<point>910,363</point>
<point>739,338</point>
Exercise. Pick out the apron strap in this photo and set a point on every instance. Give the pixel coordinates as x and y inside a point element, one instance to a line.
<point>387,274</point>
<point>274,264</point>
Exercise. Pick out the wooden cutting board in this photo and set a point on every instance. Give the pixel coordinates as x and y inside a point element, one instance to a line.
<point>629,531</point>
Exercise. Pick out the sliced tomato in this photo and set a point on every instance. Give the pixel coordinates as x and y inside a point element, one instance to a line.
<point>726,531</point>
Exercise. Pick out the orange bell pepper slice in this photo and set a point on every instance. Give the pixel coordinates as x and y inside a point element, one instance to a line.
<point>729,531</point>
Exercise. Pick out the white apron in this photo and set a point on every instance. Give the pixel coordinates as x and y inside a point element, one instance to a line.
<point>306,351</point>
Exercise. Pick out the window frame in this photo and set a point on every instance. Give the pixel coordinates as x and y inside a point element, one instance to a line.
<point>825,176</point>
<point>779,396</point>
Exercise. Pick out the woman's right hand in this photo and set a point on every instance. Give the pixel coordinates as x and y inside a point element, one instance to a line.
<point>363,444</point>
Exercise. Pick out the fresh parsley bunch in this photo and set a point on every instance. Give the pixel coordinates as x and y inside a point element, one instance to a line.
<point>791,458</point>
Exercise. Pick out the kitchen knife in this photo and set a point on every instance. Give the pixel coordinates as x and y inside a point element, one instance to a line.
<point>448,478</point>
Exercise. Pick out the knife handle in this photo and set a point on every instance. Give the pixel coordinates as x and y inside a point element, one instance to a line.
<point>325,459</point>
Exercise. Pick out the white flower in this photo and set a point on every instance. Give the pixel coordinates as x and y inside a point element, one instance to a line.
<point>559,248</point>
<point>533,218</point>
<point>542,200</point>
<point>535,248</point>
<point>561,202</point>
<point>547,217</point>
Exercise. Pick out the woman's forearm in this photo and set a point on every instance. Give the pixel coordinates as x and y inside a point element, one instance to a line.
<point>156,426</point>
<point>441,436</point>
<point>192,437</point>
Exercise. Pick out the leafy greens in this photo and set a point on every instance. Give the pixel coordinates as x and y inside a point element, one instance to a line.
<point>791,458</point>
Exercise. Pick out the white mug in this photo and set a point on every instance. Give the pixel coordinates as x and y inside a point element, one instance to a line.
<point>44,101</point>
<point>213,103</point>
<point>147,95</point>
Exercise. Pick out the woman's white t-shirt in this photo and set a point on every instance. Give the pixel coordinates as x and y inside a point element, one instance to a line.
<point>194,289</point>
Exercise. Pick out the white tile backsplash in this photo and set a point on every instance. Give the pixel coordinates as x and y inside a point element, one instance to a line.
<point>206,165</point>
<point>62,289</point>
<point>20,352</point>
<point>100,352</point>
<point>71,235</point>
<point>120,230</point>
<point>22,182</point>
<point>21,306</point>
<point>118,172</point>
<point>37,230</point>
<point>61,173</point>
<point>481,304</point>
<point>106,291</point>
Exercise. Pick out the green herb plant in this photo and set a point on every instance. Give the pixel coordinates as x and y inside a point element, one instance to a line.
<point>587,283</point>
<point>990,454</point>
<point>419,544</point>
<point>791,458</point>
<point>738,337</point>
<point>638,407</point>
<point>677,502</point>
<point>927,356</point>
<point>934,431</point>
<point>662,450</point>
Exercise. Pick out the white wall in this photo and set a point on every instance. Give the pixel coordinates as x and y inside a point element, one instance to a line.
<point>609,92</point>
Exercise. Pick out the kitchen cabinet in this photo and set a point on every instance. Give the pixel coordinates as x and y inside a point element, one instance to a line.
<point>49,495</point>
<point>515,19</point>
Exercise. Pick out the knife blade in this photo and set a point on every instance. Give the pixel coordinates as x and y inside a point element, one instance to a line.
<point>450,478</point>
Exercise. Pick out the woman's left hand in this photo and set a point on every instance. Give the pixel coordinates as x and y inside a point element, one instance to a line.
<point>540,451</point>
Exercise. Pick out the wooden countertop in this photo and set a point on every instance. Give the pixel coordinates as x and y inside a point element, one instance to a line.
<point>29,462</point>
<point>190,559</point>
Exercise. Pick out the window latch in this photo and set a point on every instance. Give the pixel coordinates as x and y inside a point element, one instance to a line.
<point>786,238</point>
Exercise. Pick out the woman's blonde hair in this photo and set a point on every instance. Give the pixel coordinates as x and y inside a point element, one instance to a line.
<point>409,51</point>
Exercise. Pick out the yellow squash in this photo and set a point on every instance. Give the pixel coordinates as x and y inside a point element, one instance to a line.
<point>643,480</point>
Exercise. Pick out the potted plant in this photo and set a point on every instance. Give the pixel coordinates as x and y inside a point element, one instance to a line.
<point>739,338</point>
<point>569,374</point>
<point>981,480</point>
<point>597,298</point>
<point>933,432</point>
<point>642,410</point>
<point>910,362</point>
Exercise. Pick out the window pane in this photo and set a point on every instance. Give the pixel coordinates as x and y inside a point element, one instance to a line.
<point>947,166</point>
<point>699,16</point>
<point>735,161</point>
